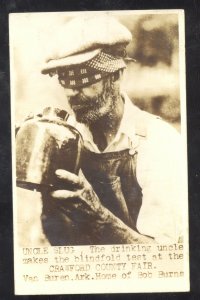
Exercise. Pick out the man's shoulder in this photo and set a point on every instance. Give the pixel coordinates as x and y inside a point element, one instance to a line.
<point>150,125</point>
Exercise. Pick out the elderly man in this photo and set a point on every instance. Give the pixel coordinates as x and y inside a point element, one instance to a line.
<point>128,187</point>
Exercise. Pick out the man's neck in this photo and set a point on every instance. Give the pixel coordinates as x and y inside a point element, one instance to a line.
<point>105,129</point>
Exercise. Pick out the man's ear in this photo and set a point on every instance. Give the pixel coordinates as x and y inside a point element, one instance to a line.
<point>117,76</point>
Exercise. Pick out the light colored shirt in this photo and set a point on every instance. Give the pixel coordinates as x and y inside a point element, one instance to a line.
<point>158,169</point>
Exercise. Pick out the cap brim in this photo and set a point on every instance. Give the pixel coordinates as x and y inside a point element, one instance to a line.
<point>68,61</point>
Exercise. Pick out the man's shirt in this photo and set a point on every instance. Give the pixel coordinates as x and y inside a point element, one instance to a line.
<point>159,169</point>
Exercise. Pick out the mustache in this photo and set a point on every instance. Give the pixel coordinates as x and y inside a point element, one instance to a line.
<point>79,100</point>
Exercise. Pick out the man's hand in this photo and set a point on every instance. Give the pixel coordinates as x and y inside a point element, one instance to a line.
<point>90,222</point>
<point>80,198</point>
<point>73,214</point>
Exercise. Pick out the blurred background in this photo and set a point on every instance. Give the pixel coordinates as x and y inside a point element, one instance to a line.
<point>152,82</point>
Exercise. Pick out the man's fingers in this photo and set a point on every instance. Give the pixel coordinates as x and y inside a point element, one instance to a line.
<point>64,194</point>
<point>69,178</point>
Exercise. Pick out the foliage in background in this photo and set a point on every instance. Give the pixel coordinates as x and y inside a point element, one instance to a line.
<point>153,81</point>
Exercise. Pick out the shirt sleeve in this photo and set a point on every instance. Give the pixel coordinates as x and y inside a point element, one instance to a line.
<point>160,175</point>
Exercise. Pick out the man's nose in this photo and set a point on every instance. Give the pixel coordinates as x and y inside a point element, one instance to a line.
<point>72,92</point>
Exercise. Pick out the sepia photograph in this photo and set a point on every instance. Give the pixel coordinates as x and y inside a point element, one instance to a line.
<point>99,151</point>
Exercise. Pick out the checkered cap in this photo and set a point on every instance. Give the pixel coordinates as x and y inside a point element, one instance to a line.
<point>82,39</point>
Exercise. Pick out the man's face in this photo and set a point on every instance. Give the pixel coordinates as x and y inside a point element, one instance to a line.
<point>92,102</point>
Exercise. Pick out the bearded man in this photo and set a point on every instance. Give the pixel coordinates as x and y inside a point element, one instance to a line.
<point>127,190</point>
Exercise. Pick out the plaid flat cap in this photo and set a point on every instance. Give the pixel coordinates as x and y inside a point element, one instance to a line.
<point>83,38</point>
